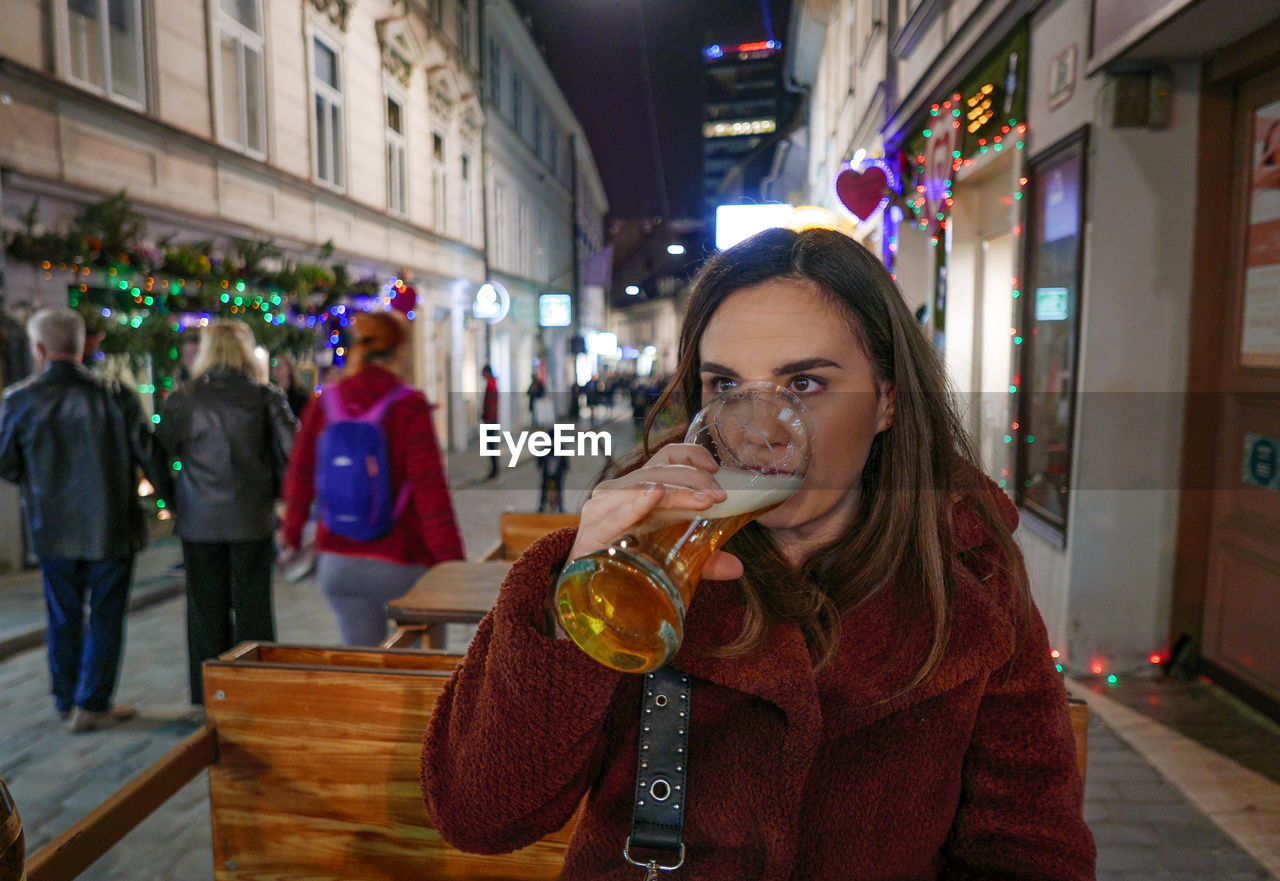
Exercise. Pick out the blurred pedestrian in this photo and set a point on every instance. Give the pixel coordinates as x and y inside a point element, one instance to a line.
<point>551,491</point>
<point>489,412</point>
<point>74,444</point>
<point>379,528</point>
<point>284,373</point>
<point>537,390</point>
<point>228,434</point>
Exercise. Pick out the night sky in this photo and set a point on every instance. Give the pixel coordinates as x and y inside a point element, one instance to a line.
<point>594,47</point>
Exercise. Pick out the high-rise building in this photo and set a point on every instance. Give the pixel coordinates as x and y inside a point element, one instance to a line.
<point>747,110</point>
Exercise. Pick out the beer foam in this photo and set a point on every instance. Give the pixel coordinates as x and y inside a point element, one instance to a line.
<point>749,491</point>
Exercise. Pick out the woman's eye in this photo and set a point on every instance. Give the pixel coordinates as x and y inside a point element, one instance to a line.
<point>805,384</point>
<point>720,384</point>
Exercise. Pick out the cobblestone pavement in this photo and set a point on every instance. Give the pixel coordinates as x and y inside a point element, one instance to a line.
<point>1145,827</point>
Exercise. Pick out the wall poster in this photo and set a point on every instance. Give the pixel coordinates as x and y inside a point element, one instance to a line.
<point>1260,325</point>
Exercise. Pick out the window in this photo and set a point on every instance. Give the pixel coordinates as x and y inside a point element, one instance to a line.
<point>517,102</point>
<point>326,84</point>
<point>536,134</point>
<point>522,238</point>
<point>553,150</point>
<point>240,96</point>
<point>464,28</point>
<point>105,46</point>
<point>495,73</point>
<point>499,221</point>
<point>468,218</point>
<point>1047,334</point>
<point>542,263</point>
<point>439,181</point>
<point>396,185</point>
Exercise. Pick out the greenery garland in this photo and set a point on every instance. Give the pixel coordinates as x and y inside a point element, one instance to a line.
<point>139,299</point>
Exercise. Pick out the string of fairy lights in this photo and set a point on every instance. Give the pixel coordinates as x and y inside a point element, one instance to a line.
<point>973,114</point>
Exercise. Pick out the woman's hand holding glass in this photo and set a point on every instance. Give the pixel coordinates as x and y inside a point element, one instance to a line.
<point>679,477</point>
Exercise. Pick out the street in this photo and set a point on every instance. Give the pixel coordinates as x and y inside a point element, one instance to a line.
<point>1145,827</point>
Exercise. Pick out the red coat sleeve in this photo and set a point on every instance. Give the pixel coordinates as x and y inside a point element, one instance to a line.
<point>424,471</point>
<point>517,735</point>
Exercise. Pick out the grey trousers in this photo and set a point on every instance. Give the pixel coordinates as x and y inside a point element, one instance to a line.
<point>358,590</point>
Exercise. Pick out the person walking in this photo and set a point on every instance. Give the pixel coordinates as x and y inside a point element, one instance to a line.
<point>74,444</point>
<point>228,434</point>
<point>373,539</point>
<point>489,412</point>
<point>285,375</point>
<point>537,390</point>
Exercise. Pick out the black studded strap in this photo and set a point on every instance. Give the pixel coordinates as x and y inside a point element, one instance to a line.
<point>658,818</point>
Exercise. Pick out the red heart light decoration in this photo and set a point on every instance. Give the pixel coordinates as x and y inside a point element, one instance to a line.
<point>861,191</point>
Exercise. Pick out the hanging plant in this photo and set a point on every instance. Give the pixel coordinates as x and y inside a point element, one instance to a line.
<point>112,227</point>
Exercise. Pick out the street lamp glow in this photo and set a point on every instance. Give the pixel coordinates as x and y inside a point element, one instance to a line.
<point>676,249</point>
<point>632,290</point>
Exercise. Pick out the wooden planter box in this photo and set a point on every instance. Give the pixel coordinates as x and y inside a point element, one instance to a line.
<point>316,775</point>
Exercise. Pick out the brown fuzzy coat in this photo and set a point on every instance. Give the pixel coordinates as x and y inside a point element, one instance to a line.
<point>971,776</point>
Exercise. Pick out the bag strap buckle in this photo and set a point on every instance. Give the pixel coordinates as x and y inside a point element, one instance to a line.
<point>652,867</point>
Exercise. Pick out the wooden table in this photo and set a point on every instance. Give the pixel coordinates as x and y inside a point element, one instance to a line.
<point>455,592</point>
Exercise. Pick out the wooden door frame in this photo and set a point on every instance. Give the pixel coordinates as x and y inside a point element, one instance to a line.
<point>1209,339</point>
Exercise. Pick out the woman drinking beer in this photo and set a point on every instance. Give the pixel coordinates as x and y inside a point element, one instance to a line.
<point>871,690</point>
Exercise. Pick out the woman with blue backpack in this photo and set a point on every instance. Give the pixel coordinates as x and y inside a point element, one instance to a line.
<point>366,455</point>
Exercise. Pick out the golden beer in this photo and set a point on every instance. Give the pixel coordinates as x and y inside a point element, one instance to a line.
<point>625,605</point>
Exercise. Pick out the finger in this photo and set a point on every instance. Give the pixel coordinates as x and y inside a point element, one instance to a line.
<point>607,518</point>
<point>686,454</point>
<point>722,567</point>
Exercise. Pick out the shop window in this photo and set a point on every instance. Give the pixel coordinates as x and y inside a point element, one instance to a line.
<point>238,76</point>
<point>1046,338</point>
<point>104,47</point>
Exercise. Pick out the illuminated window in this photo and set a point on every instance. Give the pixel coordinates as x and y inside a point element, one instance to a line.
<point>735,128</point>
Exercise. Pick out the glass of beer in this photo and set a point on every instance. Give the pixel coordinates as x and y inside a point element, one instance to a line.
<point>625,605</point>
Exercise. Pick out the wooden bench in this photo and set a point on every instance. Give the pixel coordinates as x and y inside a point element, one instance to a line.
<point>313,758</point>
<point>518,530</point>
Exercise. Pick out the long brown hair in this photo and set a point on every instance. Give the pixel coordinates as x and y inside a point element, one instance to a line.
<point>916,471</point>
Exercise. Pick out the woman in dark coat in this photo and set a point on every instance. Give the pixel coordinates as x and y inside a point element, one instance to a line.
<point>228,436</point>
<point>872,694</point>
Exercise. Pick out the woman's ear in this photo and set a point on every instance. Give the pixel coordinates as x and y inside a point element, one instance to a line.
<point>887,404</point>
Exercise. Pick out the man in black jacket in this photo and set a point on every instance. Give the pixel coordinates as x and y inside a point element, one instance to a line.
<point>74,444</point>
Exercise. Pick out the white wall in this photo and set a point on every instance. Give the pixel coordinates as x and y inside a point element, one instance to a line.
<point>1116,571</point>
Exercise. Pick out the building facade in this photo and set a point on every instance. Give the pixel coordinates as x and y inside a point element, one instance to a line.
<point>546,208</point>
<point>349,135</point>
<point>1112,351</point>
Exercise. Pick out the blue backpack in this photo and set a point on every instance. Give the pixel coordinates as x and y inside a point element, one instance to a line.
<point>353,474</point>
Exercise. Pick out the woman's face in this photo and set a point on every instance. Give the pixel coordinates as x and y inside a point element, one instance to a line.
<point>785,331</point>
